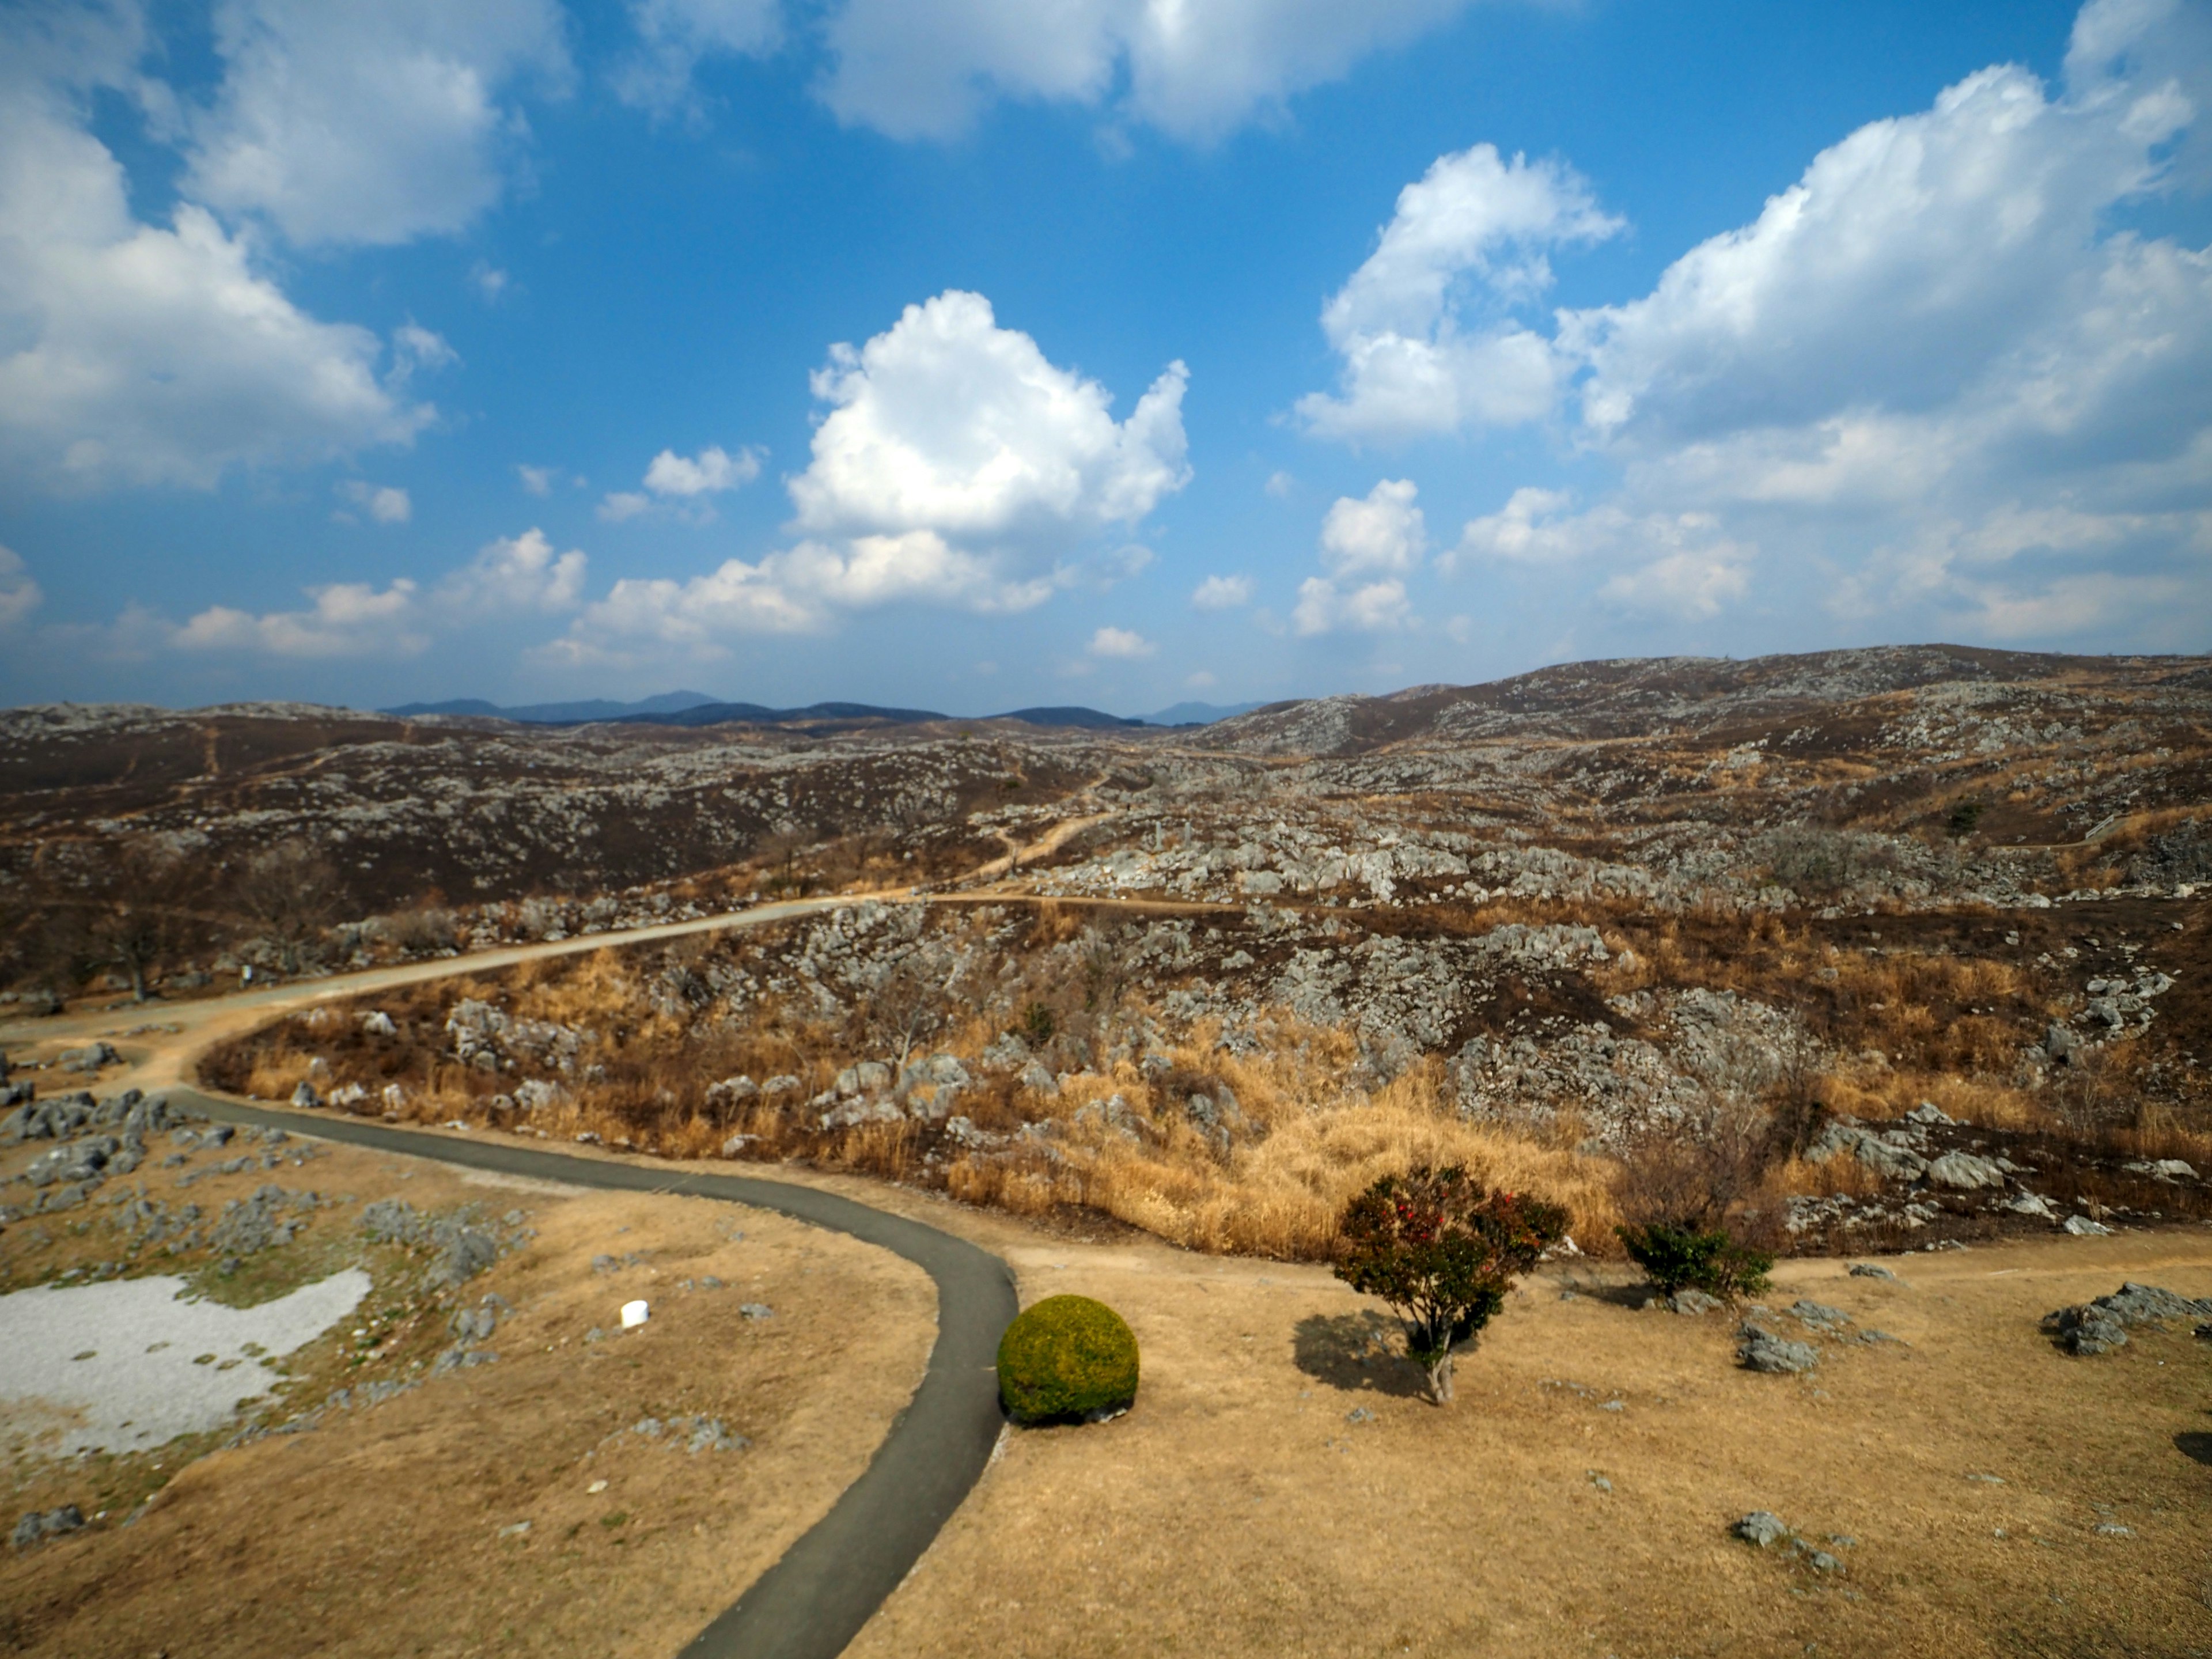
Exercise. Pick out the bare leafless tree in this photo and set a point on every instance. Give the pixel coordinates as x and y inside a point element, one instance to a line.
<point>906,1007</point>
<point>287,893</point>
<point>139,921</point>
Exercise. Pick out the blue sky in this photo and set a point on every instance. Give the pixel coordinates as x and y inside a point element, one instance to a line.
<point>981,353</point>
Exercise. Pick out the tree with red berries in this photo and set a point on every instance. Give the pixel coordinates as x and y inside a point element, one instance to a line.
<point>1442,1250</point>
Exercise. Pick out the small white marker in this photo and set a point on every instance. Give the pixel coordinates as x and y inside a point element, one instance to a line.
<point>635,1314</point>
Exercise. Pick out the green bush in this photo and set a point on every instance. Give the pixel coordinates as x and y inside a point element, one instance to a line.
<point>1680,1255</point>
<point>1064,1359</point>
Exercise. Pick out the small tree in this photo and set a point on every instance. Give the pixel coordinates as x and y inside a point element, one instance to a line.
<point>1683,1255</point>
<point>1441,1251</point>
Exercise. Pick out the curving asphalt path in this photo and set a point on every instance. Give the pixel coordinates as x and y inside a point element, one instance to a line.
<point>811,1603</point>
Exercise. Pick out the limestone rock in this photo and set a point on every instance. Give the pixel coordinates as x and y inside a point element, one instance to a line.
<point>1761,1350</point>
<point>1762,1528</point>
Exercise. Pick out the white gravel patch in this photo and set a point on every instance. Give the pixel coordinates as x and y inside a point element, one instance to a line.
<point>129,1364</point>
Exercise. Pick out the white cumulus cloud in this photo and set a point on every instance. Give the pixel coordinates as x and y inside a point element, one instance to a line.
<point>1222,592</point>
<point>1120,643</point>
<point>1939,368</point>
<point>1368,546</point>
<point>19,595</point>
<point>1194,69</point>
<point>367,123</point>
<point>957,465</point>
<point>1384,533</point>
<point>948,423</point>
<point>684,481</point>
<point>713,471</point>
<point>385,503</point>
<point>1426,327</point>
<point>138,353</point>
<point>515,574</point>
<point>348,619</point>
<point>1323,607</point>
<point>512,576</point>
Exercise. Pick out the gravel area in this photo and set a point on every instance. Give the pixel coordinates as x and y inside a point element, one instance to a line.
<point>131,1364</point>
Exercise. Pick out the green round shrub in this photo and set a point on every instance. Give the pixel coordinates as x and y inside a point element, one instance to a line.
<point>1066,1358</point>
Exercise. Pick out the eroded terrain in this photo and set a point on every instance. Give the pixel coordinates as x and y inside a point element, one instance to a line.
<point>1898,952</point>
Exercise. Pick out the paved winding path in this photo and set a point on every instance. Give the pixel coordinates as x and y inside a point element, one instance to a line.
<point>813,1602</point>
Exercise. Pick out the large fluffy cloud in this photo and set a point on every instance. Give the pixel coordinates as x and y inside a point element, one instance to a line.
<point>1192,68</point>
<point>947,423</point>
<point>141,353</point>
<point>957,465</point>
<point>367,124</point>
<point>1935,370</point>
<point>1426,327</point>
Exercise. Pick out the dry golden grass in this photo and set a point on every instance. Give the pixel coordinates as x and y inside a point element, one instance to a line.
<point>1276,1195</point>
<point>1239,1511</point>
<point>382,1532</point>
<point>1900,1025</point>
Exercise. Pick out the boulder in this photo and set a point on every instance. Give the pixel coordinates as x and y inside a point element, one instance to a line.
<point>733,1091</point>
<point>1113,1116</point>
<point>2165,1169</point>
<point>2099,1327</point>
<point>1885,1157</point>
<point>536,1094</point>
<point>1964,1172</point>
<point>1762,1528</point>
<point>35,1527</point>
<point>1761,1350</point>
<point>945,1071</point>
<point>1819,1315</point>
<point>2082,1227</point>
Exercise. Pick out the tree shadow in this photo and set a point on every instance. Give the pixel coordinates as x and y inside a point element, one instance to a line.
<point>1633,1295</point>
<point>2194,1444</point>
<point>1357,1353</point>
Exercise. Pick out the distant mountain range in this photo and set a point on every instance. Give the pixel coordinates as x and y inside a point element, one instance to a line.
<point>561,713</point>
<point>696,709</point>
